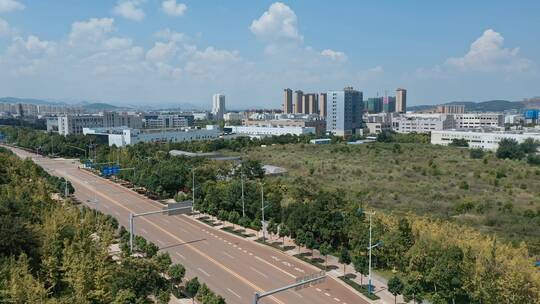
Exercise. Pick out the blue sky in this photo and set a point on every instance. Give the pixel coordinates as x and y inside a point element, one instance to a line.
<point>167,52</point>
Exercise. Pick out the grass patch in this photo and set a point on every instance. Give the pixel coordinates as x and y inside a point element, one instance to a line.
<point>239,232</point>
<point>358,287</point>
<point>317,262</point>
<point>208,221</point>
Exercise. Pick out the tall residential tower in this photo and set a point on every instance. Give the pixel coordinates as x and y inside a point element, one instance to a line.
<point>287,101</point>
<point>218,106</point>
<point>344,117</point>
<point>401,100</point>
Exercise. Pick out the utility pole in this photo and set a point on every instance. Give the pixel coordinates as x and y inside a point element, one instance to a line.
<point>243,203</point>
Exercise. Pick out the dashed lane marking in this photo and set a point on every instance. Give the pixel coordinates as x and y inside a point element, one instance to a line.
<point>203,272</point>
<point>234,293</point>
<point>257,271</point>
<point>285,272</point>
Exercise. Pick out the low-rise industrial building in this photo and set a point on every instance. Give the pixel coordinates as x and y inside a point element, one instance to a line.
<point>422,123</point>
<point>269,130</point>
<point>478,120</point>
<point>487,140</point>
<point>124,136</point>
<point>319,125</point>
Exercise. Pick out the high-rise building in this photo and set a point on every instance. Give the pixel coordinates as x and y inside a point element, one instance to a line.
<point>310,104</point>
<point>322,105</point>
<point>345,108</point>
<point>218,106</point>
<point>287,101</point>
<point>298,101</point>
<point>389,104</point>
<point>374,105</point>
<point>401,100</point>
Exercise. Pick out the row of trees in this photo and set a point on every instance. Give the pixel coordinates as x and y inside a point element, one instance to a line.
<point>54,253</point>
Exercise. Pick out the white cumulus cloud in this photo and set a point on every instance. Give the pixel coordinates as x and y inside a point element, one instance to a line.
<point>162,52</point>
<point>170,35</point>
<point>129,9</point>
<point>171,8</point>
<point>7,6</point>
<point>5,29</point>
<point>488,54</point>
<point>278,23</point>
<point>92,30</point>
<point>334,55</point>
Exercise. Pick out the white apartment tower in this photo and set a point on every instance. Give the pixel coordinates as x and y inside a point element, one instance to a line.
<point>218,106</point>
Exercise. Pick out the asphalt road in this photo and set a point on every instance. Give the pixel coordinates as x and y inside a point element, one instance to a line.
<point>231,266</point>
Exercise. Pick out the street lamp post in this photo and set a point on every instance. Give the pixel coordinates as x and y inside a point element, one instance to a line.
<point>262,208</point>
<point>243,203</point>
<point>193,188</point>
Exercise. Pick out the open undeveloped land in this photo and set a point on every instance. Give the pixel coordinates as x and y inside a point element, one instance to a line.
<point>493,195</point>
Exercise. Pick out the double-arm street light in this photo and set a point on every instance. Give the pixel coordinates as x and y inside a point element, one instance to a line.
<point>371,245</point>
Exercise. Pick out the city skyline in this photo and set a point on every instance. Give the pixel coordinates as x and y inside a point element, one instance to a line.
<point>135,52</point>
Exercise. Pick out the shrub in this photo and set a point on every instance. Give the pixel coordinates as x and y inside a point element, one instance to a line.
<point>476,153</point>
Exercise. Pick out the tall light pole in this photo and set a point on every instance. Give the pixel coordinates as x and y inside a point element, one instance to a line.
<point>370,286</point>
<point>193,189</point>
<point>243,203</point>
<point>262,208</point>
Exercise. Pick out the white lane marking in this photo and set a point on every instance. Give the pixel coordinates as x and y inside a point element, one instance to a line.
<point>225,253</point>
<point>296,293</point>
<point>287,264</point>
<point>181,256</point>
<point>239,248</point>
<point>204,272</point>
<point>327,294</point>
<point>270,264</point>
<point>318,289</point>
<point>234,293</point>
<point>250,253</point>
<point>245,251</point>
<point>275,258</point>
<point>299,270</point>
<point>144,231</point>
<point>264,275</point>
<point>337,300</point>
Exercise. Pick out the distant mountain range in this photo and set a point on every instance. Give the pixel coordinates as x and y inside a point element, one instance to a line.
<point>89,106</point>
<point>100,106</point>
<point>486,106</point>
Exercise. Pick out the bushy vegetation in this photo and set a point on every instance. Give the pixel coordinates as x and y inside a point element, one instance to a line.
<point>490,194</point>
<point>59,253</point>
<point>511,149</point>
<point>319,204</point>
